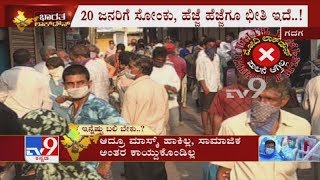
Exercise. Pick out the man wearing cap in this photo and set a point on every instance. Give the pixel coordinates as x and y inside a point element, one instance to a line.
<point>179,64</point>
<point>208,75</point>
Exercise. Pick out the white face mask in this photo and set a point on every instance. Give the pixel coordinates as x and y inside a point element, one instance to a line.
<point>129,75</point>
<point>93,55</point>
<point>56,74</point>
<point>78,93</point>
<point>269,151</point>
<point>140,52</point>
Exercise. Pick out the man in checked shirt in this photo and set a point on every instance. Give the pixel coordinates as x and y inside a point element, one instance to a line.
<point>223,107</point>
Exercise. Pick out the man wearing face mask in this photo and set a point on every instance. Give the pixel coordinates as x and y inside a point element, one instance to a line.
<point>289,150</point>
<point>149,107</point>
<point>65,57</point>
<point>208,75</point>
<point>80,54</point>
<point>55,66</point>
<point>265,118</point>
<point>122,81</point>
<point>87,108</point>
<point>269,153</point>
<point>140,49</point>
<point>165,74</point>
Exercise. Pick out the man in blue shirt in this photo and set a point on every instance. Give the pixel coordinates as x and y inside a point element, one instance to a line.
<point>86,108</point>
<point>270,153</point>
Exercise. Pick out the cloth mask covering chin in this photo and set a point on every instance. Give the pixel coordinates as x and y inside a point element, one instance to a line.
<point>129,75</point>
<point>77,93</point>
<point>211,52</point>
<point>56,74</point>
<point>263,117</point>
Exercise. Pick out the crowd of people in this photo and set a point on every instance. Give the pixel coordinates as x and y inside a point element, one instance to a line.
<point>144,84</point>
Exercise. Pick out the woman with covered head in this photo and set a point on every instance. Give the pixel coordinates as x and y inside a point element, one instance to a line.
<point>46,122</point>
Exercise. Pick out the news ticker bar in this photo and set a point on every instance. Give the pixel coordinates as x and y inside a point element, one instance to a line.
<point>53,149</point>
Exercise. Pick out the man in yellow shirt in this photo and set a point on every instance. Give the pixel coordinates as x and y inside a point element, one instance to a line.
<point>265,118</point>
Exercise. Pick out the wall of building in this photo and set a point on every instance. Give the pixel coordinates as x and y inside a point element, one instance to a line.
<point>103,44</point>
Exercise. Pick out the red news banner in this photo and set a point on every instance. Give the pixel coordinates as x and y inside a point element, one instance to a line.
<point>143,148</point>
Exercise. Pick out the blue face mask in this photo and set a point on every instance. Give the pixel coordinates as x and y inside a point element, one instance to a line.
<point>269,151</point>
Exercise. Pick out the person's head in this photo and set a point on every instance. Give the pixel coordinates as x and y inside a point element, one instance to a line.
<point>140,49</point>
<point>291,140</point>
<point>63,55</point>
<point>276,93</point>
<point>270,146</point>
<point>133,42</point>
<point>93,50</point>
<point>159,56</point>
<point>140,41</point>
<point>120,47</point>
<point>76,80</point>
<point>47,51</point>
<point>79,53</point>
<point>46,122</point>
<point>9,122</point>
<point>21,57</point>
<point>55,67</point>
<point>124,58</point>
<point>229,37</point>
<point>209,42</point>
<point>140,66</point>
<point>111,44</point>
<point>110,59</point>
<point>170,47</point>
<point>188,43</point>
<point>54,62</point>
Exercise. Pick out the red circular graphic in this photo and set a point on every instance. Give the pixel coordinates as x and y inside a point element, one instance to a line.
<point>266,54</point>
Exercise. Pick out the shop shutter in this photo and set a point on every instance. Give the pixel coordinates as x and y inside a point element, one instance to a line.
<point>23,39</point>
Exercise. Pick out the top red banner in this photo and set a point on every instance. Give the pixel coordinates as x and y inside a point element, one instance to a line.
<point>312,9</point>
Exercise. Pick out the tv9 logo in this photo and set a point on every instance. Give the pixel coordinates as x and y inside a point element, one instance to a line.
<point>41,149</point>
<point>258,91</point>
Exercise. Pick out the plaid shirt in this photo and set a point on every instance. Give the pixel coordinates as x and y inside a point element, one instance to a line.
<point>229,107</point>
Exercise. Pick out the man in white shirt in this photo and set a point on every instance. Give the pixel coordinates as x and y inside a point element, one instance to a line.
<point>45,52</point>
<point>164,73</point>
<point>22,88</point>
<point>311,102</point>
<point>80,54</point>
<point>208,75</point>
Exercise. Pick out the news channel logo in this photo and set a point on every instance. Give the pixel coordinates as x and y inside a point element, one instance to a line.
<point>234,93</point>
<point>41,149</point>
